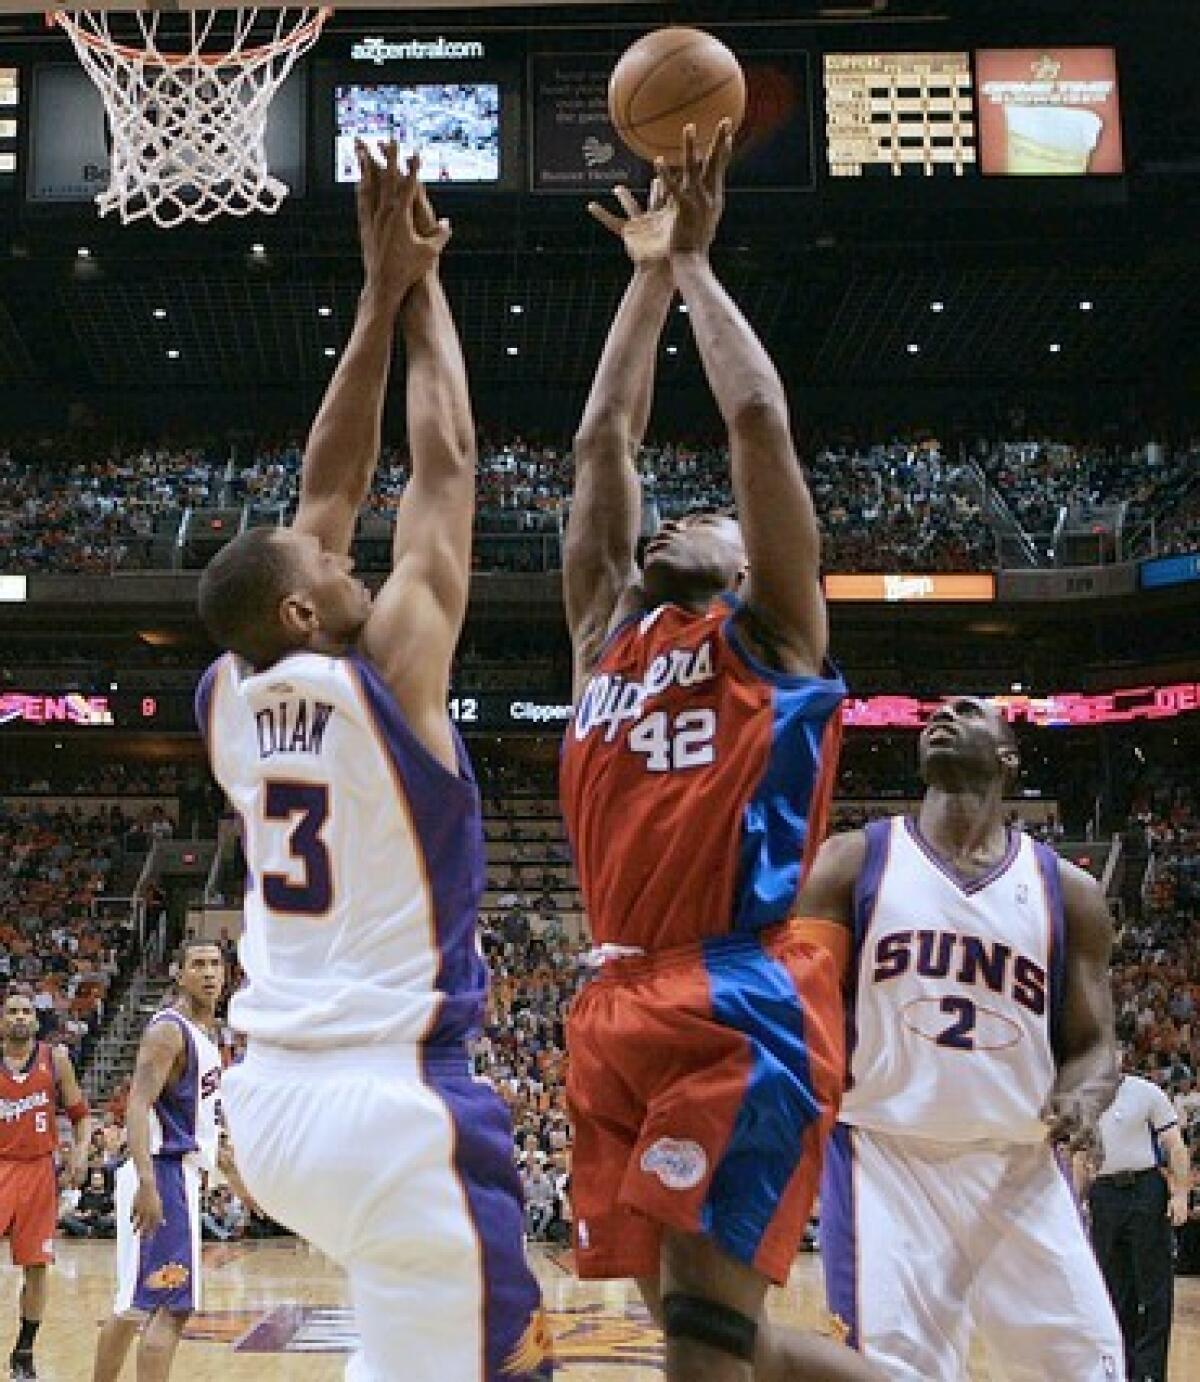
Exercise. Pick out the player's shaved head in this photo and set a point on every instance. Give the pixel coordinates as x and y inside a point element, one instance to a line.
<point>240,593</point>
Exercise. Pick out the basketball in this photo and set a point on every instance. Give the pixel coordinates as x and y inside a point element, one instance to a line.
<point>671,78</point>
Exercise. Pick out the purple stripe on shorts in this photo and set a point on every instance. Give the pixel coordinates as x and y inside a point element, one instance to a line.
<point>1048,867</point>
<point>839,1236</point>
<point>512,1325</point>
<point>166,1260</point>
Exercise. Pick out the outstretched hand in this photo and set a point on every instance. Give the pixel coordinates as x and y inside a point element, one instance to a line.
<point>401,238</point>
<point>646,232</point>
<point>697,189</point>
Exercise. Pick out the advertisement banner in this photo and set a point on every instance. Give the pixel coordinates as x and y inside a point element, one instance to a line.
<point>575,147</point>
<point>1153,575</point>
<point>1046,112</point>
<point>937,586</point>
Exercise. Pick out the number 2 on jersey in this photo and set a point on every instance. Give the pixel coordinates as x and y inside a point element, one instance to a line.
<point>309,801</point>
<point>685,742</point>
<point>960,1035</point>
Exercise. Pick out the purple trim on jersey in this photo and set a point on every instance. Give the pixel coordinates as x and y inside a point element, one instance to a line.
<point>862,912</point>
<point>204,698</point>
<point>167,1265</point>
<point>177,1106</point>
<point>483,1163</point>
<point>839,1230</point>
<point>966,885</point>
<point>1049,868</point>
<point>448,821</point>
<point>870,877</point>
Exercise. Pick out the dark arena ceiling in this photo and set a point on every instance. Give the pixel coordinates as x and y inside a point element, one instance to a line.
<point>841,281</point>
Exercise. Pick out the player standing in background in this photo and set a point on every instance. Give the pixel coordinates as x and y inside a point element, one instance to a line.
<point>173,1133</point>
<point>706,1056</point>
<point>982,1035</point>
<point>356,1116</point>
<point>36,1080</point>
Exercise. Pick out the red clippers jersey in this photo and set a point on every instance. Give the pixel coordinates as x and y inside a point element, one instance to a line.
<point>28,1104</point>
<point>695,781</point>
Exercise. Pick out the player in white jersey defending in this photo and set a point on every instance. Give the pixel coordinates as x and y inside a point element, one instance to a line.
<point>173,1140</point>
<point>980,1035</point>
<point>357,1121</point>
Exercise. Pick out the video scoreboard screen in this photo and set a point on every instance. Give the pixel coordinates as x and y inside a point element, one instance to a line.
<point>899,114</point>
<point>454,125</point>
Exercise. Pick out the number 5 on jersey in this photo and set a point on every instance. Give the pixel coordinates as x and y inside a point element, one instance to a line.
<point>307,805</point>
<point>683,742</point>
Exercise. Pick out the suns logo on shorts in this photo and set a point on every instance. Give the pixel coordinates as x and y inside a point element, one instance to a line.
<point>535,1347</point>
<point>679,1164</point>
<point>169,1277</point>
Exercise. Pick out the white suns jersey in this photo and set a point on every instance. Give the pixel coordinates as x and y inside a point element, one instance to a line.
<point>184,1120</point>
<point>956,992</point>
<point>365,858</point>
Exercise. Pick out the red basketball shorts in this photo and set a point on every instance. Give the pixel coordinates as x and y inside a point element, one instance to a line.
<point>29,1209</point>
<point>703,1083</point>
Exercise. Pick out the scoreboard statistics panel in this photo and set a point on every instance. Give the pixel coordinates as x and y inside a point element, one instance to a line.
<point>10,100</point>
<point>899,114</point>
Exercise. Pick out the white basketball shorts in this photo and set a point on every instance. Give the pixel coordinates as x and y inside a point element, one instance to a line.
<point>398,1164</point>
<point>922,1241</point>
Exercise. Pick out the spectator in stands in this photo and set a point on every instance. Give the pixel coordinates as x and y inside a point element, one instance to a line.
<point>94,1214</point>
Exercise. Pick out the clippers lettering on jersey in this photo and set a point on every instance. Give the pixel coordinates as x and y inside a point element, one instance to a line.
<point>12,1109</point>
<point>210,1082</point>
<point>610,701</point>
<point>292,727</point>
<point>965,960</point>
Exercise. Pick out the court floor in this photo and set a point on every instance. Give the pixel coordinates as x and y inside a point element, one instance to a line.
<point>277,1313</point>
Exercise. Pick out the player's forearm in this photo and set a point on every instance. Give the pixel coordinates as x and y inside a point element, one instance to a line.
<point>343,445</point>
<point>618,407</point>
<point>740,373</point>
<point>81,1140</point>
<point>1179,1170</point>
<point>441,429</point>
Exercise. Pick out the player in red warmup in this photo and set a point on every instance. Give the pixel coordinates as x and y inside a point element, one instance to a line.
<point>707,1053</point>
<point>36,1080</point>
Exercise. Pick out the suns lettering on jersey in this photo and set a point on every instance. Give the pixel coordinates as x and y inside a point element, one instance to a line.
<point>965,959</point>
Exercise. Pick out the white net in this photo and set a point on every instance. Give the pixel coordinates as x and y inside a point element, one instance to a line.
<point>187,112</point>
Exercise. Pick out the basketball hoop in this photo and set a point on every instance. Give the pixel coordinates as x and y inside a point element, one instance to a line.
<point>189,124</point>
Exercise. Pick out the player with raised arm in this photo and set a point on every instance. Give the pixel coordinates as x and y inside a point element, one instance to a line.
<point>983,1035</point>
<point>36,1080</point>
<point>173,1135</point>
<point>706,1056</point>
<point>356,1117</point>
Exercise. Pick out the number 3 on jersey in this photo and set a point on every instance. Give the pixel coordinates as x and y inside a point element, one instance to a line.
<point>685,741</point>
<point>284,801</point>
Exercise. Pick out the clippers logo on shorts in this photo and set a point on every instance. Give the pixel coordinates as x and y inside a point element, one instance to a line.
<point>171,1276</point>
<point>680,1165</point>
<point>535,1347</point>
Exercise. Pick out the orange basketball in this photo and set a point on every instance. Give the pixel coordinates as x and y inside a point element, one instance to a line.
<point>671,78</point>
